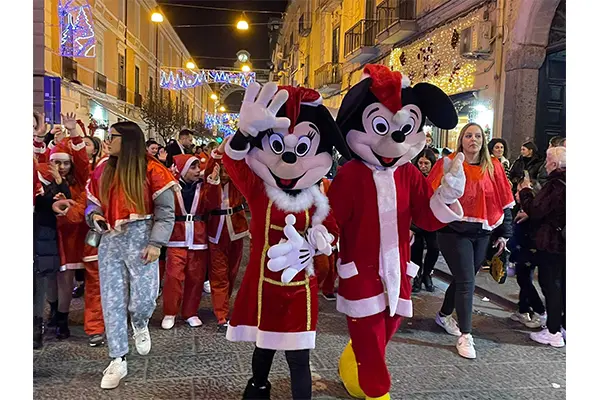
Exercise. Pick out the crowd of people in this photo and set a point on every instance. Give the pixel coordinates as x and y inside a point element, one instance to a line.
<point>144,220</point>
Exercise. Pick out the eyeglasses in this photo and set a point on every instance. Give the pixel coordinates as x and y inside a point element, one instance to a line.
<point>109,137</point>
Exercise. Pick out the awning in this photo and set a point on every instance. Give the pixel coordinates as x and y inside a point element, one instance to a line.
<point>113,109</point>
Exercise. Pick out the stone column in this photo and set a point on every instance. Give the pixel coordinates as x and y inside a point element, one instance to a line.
<point>38,55</point>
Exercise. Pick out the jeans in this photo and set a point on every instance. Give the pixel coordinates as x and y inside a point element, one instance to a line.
<point>529,299</point>
<point>418,248</point>
<point>464,255</point>
<point>552,278</point>
<point>299,363</point>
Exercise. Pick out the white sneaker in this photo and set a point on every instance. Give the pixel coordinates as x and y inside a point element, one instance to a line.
<point>142,340</point>
<point>168,322</point>
<point>207,287</point>
<point>116,370</point>
<point>545,337</point>
<point>523,318</point>
<point>465,346</point>
<point>537,321</point>
<point>194,322</point>
<point>448,323</point>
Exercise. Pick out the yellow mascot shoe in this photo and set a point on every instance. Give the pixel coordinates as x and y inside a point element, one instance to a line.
<point>348,370</point>
<point>384,397</point>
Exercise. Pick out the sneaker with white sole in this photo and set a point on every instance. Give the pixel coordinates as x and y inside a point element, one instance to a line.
<point>116,370</point>
<point>545,337</point>
<point>448,323</point>
<point>142,340</point>
<point>168,322</point>
<point>537,321</point>
<point>523,318</point>
<point>465,346</point>
<point>329,296</point>
<point>194,321</point>
<point>207,287</point>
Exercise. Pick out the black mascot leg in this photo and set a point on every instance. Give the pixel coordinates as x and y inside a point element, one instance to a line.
<point>259,387</point>
<point>299,363</point>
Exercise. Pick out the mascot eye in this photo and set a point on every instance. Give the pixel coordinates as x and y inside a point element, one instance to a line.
<point>276,143</point>
<point>408,127</point>
<point>303,146</point>
<point>380,125</point>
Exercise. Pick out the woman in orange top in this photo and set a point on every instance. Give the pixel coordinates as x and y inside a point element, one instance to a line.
<point>486,202</point>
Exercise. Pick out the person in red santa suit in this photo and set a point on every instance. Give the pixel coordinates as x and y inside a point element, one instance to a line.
<point>325,265</point>
<point>69,159</point>
<point>187,254</point>
<point>276,159</point>
<point>382,119</point>
<point>227,227</point>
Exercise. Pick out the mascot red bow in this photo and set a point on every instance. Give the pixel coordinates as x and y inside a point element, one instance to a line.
<point>381,119</point>
<point>282,150</point>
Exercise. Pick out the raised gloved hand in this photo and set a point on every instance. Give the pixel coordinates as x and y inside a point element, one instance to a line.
<point>453,182</point>
<point>320,239</point>
<point>291,256</point>
<point>257,115</point>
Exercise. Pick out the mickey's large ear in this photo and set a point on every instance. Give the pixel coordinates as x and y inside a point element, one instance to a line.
<point>436,105</point>
<point>352,100</point>
<point>331,131</point>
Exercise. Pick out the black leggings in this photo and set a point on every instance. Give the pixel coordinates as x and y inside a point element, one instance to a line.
<point>529,299</point>
<point>299,363</point>
<point>464,255</point>
<point>418,247</point>
<point>552,279</point>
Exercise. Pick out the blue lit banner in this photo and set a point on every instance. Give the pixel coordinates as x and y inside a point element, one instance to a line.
<point>77,35</point>
<point>52,100</point>
<point>186,78</point>
<point>226,123</point>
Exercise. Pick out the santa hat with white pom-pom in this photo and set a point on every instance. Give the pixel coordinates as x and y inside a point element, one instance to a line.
<point>386,86</point>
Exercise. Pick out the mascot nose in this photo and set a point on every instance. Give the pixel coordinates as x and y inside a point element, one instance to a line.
<point>398,137</point>
<point>289,157</point>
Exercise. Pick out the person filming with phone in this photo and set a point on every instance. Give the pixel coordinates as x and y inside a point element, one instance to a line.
<point>131,205</point>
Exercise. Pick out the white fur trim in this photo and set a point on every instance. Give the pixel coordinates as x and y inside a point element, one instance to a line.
<point>405,81</point>
<point>169,185</point>
<point>346,271</point>
<point>60,156</point>
<point>412,269</point>
<point>215,182</point>
<point>79,146</point>
<point>132,218</point>
<point>445,213</point>
<point>90,258</point>
<point>404,308</point>
<point>69,266</point>
<point>304,200</point>
<point>363,307</point>
<point>315,103</point>
<point>41,178</point>
<point>321,206</point>
<point>216,155</point>
<point>236,154</point>
<point>187,165</point>
<point>40,150</point>
<point>272,340</point>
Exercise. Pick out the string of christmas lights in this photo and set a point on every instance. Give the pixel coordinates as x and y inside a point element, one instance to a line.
<point>226,123</point>
<point>77,35</point>
<point>187,79</point>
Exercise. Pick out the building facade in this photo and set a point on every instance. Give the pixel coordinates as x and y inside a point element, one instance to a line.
<point>112,84</point>
<point>490,56</point>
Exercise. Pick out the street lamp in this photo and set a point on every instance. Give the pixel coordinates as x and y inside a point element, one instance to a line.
<point>222,109</point>
<point>246,68</point>
<point>214,96</point>
<point>242,24</point>
<point>190,65</point>
<point>157,17</point>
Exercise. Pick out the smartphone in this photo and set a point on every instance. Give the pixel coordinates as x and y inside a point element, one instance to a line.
<point>526,173</point>
<point>102,225</point>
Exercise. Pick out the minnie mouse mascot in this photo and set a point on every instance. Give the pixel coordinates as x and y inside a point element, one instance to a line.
<point>277,159</point>
<point>381,119</point>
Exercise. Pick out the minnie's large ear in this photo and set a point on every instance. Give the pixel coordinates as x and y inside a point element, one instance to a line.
<point>331,131</point>
<point>352,100</point>
<point>436,105</point>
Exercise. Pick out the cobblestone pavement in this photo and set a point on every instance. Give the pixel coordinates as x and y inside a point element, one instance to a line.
<point>199,363</point>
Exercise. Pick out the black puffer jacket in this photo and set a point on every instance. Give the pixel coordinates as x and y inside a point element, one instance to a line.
<point>46,259</point>
<point>532,164</point>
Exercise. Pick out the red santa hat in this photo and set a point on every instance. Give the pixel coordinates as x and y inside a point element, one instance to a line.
<point>182,164</point>
<point>299,96</point>
<point>62,151</point>
<point>387,85</point>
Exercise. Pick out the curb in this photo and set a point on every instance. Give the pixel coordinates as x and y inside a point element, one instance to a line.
<point>501,301</point>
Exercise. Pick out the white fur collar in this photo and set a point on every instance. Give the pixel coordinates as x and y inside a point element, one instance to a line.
<point>304,200</point>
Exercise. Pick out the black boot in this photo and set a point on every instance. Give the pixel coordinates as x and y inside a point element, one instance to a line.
<point>78,291</point>
<point>53,310</point>
<point>37,332</point>
<point>62,325</point>
<point>255,393</point>
<point>428,282</point>
<point>416,288</point>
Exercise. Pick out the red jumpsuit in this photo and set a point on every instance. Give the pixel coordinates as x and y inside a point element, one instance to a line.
<point>325,266</point>
<point>227,226</point>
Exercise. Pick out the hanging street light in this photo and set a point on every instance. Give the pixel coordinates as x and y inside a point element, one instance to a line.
<point>242,24</point>
<point>190,65</point>
<point>222,109</point>
<point>246,68</point>
<point>157,17</point>
<point>214,96</point>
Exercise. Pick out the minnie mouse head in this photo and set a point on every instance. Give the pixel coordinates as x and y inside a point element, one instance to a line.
<point>289,156</point>
<point>382,116</point>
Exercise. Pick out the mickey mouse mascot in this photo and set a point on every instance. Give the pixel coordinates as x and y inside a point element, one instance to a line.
<point>381,119</point>
<point>276,159</point>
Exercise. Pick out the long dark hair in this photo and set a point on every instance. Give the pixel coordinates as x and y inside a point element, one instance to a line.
<point>493,143</point>
<point>128,170</point>
<point>97,149</point>
<point>428,154</point>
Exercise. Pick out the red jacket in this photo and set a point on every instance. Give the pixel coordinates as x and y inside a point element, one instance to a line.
<point>356,203</point>
<point>190,234</point>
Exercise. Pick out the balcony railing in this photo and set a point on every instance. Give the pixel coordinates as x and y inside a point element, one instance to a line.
<point>99,82</point>
<point>69,69</point>
<point>390,12</point>
<point>327,75</point>
<point>329,5</point>
<point>362,34</point>
<point>138,100</point>
<point>122,92</point>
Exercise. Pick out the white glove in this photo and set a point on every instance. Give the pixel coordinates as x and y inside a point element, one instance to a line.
<point>256,116</point>
<point>453,182</point>
<point>291,256</point>
<point>320,239</point>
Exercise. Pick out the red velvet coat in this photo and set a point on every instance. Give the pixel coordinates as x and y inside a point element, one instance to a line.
<point>273,314</point>
<point>355,202</point>
<point>190,234</point>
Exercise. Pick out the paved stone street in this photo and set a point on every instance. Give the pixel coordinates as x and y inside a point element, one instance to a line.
<point>198,363</point>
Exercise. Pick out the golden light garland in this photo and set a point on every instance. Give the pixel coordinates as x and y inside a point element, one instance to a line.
<point>433,59</point>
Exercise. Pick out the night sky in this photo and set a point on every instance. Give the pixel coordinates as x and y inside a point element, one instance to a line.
<point>223,42</point>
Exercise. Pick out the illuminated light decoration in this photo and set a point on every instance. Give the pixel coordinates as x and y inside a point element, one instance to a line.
<point>436,58</point>
<point>187,79</point>
<point>77,35</point>
<point>226,123</point>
